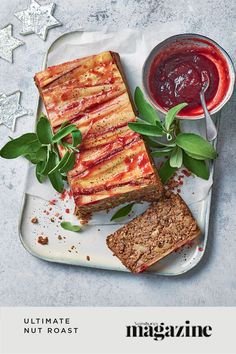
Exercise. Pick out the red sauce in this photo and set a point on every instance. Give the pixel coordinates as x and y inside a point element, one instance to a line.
<point>141,160</point>
<point>108,187</point>
<point>65,96</point>
<point>186,173</point>
<point>176,77</point>
<point>63,195</point>
<point>52,202</point>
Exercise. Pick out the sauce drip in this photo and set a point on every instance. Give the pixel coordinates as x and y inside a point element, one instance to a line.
<point>178,79</point>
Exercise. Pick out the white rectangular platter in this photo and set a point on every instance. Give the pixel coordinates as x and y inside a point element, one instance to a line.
<point>88,248</point>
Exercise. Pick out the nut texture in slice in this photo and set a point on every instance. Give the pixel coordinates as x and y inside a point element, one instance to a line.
<point>165,226</point>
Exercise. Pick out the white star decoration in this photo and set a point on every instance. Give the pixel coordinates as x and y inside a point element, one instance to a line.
<point>37,19</point>
<point>8,43</point>
<point>10,109</point>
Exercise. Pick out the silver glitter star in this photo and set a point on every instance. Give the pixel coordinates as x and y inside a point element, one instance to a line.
<point>8,43</point>
<point>10,109</point>
<point>38,19</point>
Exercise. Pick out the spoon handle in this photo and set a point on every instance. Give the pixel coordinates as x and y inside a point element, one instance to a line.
<point>211,131</point>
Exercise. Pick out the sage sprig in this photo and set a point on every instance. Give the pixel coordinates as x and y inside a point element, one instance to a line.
<point>42,149</point>
<point>166,139</point>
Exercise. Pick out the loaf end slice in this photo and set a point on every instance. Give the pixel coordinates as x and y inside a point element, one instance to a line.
<point>164,227</point>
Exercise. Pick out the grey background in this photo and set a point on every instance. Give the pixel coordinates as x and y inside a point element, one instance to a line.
<point>27,281</point>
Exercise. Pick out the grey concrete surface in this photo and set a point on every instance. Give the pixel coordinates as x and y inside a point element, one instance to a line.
<point>27,281</point>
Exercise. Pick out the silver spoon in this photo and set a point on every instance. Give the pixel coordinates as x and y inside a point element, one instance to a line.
<point>211,131</point>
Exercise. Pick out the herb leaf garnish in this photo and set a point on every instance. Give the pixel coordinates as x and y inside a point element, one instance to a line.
<point>70,227</point>
<point>39,169</point>
<point>52,161</point>
<point>69,163</point>
<point>147,112</point>
<point>171,114</point>
<point>63,132</point>
<point>56,181</point>
<point>162,152</point>
<point>195,144</point>
<point>176,157</point>
<point>76,138</point>
<point>61,163</point>
<point>41,153</point>
<point>122,212</point>
<point>198,167</point>
<point>44,130</point>
<point>166,171</point>
<point>146,129</point>
<point>166,140</point>
<point>42,149</point>
<point>17,147</point>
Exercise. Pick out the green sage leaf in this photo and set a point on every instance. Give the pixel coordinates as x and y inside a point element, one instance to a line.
<point>41,154</point>
<point>61,163</point>
<point>69,164</point>
<point>64,124</point>
<point>44,130</point>
<point>157,144</point>
<point>76,138</point>
<point>145,109</point>
<point>162,152</point>
<point>38,171</point>
<point>195,156</point>
<point>42,115</point>
<point>64,177</point>
<point>65,144</point>
<point>195,144</point>
<point>19,146</point>
<point>32,158</point>
<point>51,162</point>
<point>122,212</point>
<point>176,157</point>
<point>70,227</point>
<point>34,146</point>
<point>64,132</point>
<point>31,152</point>
<point>166,172</point>
<point>198,167</point>
<point>146,129</point>
<point>171,114</point>
<point>56,181</point>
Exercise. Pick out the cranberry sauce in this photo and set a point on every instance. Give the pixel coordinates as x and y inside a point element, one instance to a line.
<point>178,78</point>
